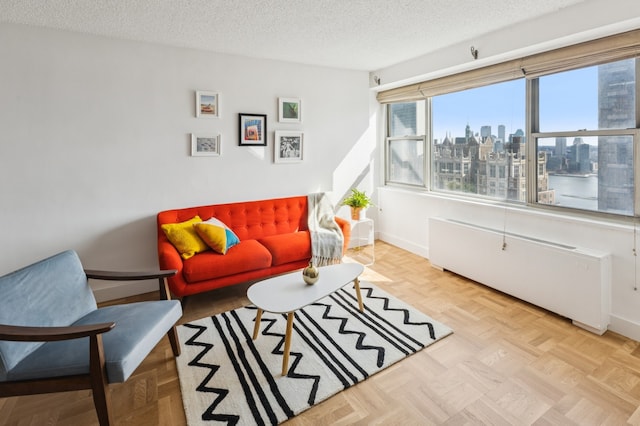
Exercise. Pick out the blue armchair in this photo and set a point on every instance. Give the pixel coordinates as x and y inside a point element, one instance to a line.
<point>54,338</point>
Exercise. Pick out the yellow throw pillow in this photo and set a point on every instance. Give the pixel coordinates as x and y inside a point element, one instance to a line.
<point>184,237</point>
<point>217,235</point>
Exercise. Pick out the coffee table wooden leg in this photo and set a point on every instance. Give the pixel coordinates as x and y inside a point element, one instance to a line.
<point>287,344</point>
<point>356,284</point>
<point>256,326</point>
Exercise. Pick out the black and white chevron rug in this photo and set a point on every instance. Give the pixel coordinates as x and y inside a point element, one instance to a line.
<point>228,378</point>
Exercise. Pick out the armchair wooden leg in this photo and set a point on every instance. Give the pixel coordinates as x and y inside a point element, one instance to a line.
<point>99,382</point>
<point>175,343</point>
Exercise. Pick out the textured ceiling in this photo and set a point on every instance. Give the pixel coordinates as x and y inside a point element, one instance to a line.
<point>354,34</point>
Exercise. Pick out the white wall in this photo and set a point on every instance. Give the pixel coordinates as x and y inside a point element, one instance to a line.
<point>95,140</point>
<point>583,21</point>
<point>403,215</point>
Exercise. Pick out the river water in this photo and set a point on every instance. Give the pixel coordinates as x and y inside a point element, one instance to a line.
<point>575,191</point>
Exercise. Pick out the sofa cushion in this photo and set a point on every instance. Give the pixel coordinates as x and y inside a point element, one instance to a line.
<point>216,234</point>
<point>286,248</point>
<point>248,255</point>
<point>139,327</point>
<point>184,237</point>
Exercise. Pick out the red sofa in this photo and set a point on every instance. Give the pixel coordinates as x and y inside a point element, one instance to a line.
<point>274,239</point>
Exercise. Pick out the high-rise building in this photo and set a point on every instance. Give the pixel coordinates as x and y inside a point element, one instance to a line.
<point>501,132</point>
<point>561,147</point>
<point>616,109</point>
<point>468,134</point>
<point>403,121</point>
<point>485,132</point>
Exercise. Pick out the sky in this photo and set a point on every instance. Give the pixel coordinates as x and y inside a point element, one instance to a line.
<point>564,105</point>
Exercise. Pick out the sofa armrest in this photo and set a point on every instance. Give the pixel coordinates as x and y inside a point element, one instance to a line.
<point>169,258</point>
<point>18,333</point>
<point>345,227</point>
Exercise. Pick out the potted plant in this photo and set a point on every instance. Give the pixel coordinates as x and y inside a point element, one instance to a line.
<point>358,200</point>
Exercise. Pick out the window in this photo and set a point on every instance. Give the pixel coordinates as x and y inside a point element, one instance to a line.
<point>482,129</point>
<point>559,129</point>
<point>405,147</point>
<point>587,120</point>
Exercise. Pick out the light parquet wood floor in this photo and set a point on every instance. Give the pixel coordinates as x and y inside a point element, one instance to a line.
<point>507,363</point>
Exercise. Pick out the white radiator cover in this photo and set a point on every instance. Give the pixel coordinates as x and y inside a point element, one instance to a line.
<point>570,281</point>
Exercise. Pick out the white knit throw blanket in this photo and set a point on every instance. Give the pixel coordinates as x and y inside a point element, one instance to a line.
<point>326,235</point>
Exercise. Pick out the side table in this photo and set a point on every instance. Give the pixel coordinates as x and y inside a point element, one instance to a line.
<point>361,245</point>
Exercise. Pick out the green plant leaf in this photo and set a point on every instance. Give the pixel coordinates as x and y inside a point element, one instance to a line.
<point>357,199</point>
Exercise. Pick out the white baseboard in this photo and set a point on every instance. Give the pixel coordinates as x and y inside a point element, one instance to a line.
<point>404,244</point>
<point>625,327</point>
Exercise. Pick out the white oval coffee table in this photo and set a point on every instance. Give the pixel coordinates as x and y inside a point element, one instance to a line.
<point>288,293</point>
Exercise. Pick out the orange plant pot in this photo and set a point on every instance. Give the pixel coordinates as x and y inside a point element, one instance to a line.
<point>355,213</point>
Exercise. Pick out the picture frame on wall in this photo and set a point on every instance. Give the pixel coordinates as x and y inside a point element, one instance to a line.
<point>289,110</point>
<point>207,104</point>
<point>253,129</point>
<point>288,147</point>
<point>205,145</point>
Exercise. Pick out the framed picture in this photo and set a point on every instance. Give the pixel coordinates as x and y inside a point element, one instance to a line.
<point>288,146</point>
<point>289,110</point>
<point>253,129</point>
<point>207,104</point>
<point>205,145</point>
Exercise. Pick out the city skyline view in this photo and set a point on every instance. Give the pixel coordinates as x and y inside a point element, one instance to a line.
<point>565,105</point>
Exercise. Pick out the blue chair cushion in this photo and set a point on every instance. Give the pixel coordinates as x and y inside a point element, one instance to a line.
<point>50,293</point>
<point>139,327</point>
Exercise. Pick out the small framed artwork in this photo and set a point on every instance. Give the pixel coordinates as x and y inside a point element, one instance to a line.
<point>253,129</point>
<point>205,145</point>
<point>288,146</point>
<point>289,110</point>
<point>207,104</point>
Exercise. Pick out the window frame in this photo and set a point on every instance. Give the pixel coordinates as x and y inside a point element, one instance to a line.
<point>595,52</point>
<point>492,193</point>
<point>426,156</point>
<point>534,133</point>
<point>533,194</point>
<point>425,148</point>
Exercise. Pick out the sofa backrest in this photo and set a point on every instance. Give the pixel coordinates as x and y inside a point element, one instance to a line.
<point>250,219</point>
<point>50,293</point>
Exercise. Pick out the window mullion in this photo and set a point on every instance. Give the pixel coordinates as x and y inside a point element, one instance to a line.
<point>533,126</point>
<point>428,151</point>
<point>584,133</point>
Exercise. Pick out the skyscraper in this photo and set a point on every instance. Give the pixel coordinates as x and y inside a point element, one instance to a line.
<point>561,147</point>
<point>485,132</point>
<point>501,132</point>
<point>616,109</point>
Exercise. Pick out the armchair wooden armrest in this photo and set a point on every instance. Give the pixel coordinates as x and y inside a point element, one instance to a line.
<point>95,379</point>
<point>158,274</point>
<point>18,333</point>
<point>128,275</point>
